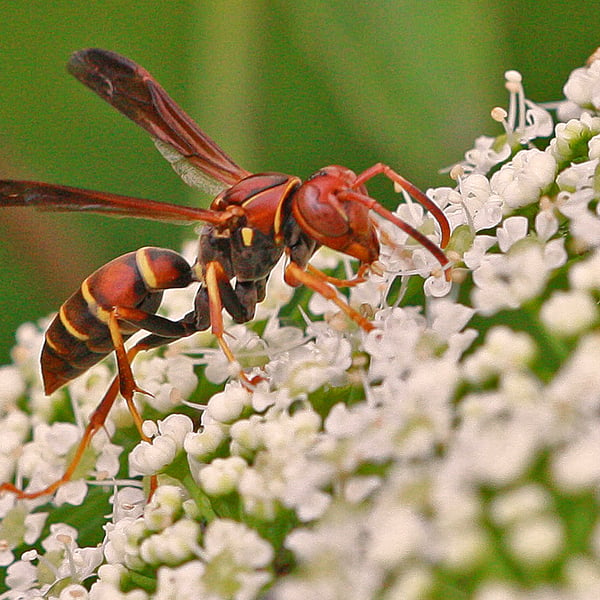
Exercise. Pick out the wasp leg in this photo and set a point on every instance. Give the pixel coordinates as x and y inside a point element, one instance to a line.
<point>218,289</point>
<point>359,278</point>
<point>163,330</point>
<point>295,275</point>
<point>97,420</point>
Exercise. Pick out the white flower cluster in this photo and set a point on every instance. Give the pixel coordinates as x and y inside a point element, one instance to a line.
<point>452,450</point>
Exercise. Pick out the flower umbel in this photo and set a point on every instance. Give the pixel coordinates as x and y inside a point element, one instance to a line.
<point>453,447</point>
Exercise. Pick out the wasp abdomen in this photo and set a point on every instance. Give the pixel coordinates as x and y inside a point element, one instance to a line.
<point>79,336</point>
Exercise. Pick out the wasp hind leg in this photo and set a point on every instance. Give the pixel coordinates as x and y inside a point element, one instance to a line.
<point>165,331</point>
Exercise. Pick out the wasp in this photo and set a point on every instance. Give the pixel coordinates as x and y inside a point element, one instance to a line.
<point>252,222</point>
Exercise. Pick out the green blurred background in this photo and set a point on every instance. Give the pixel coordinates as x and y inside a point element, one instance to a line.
<point>280,86</point>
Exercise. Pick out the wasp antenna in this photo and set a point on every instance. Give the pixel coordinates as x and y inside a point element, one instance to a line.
<point>413,190</point>
<point>429,205</point>
<point>373,205</point>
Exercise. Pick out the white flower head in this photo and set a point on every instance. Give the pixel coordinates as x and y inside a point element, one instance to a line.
<point>172,545</point>
<point>147,458</point>
<point>358,464</point>
<point>583,87</point>
<point>222,475</point>
<point>569,312</point>
<point>236,559</point>
<point>506,281</point>
<point>523,180</point>
<point>523,122</point>
<point>485,154</point>
<point>513,229</point>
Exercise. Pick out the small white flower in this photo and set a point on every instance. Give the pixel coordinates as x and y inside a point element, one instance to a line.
<point>176,426</point>
<point>148,458</point>
<point>396,533</point>
<point>437,286</point>
<point>535,541</point>
<point>21,576</point>
<point>578,176</point>
<point>59,532</point>
<point>108,460</point>
<point>236,560</point>
<point>506,281</point>
<point>181,583</point>
<point>128,502</point>
<point>583,86</point>
<point>122,545</point>
<point>504,350</point>
<point>519,504</point>
<point>243,545</point>
<point>594,148</point>
<point>448,317</point>
<point>246,434</point>
<point>570,135</point>
<point>34,524</point>
<point>222,475</point>
<point>546,225</point>
<point>72,492</point>
<point>585,275</point>
<point>569,312</point>
<point>555,253</point>
<point>80,563</point>
<point>162,375</point>
<point>525,178</point>
<point>481,244</point>
<point>485,155</point>
<point>202,444</point>
<point>247,347</point>
<point>579,378</point>
<point>513,229</point>
<point>575,467</point>
<point>357,489</point>
<point>332,559</point>
<point>393,345</point>
<point>483,207</point>
<point>525,120</point>
<point>164,508</point>
<point>306,368</point>
<point>228,405</point>
<point>173,545</point>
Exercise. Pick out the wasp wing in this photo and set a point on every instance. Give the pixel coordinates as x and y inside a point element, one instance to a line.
<point>47,196</point>
<point>135,93</point>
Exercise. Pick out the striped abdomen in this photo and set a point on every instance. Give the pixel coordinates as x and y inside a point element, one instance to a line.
<point>79,337</point>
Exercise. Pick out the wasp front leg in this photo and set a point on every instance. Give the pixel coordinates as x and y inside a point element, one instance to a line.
<point>217,294</point>
<point>319,282</point>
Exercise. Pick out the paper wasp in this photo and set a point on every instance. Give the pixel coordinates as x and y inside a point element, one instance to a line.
<point>252,222</point>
